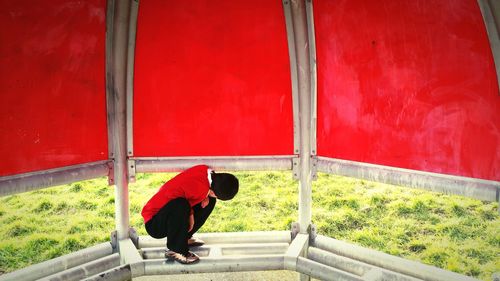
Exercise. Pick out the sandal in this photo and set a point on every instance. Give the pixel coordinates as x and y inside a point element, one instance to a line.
<point>195,242</point>
<point>189,258</point>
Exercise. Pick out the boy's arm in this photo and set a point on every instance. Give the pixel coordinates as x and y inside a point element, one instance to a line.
<point>192,199</point>
<point>191,222</point>
<point>205,202</point>
<point>191,212</point>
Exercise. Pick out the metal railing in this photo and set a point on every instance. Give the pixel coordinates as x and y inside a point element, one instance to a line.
<point>323,258</point>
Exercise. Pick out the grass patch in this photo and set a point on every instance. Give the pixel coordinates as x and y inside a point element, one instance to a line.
<point>19,230</point>
<point>451,232</point>
<point>43,206</point>
<point>76,187</point>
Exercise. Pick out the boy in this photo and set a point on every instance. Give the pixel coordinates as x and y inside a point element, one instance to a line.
<point>181,207</point>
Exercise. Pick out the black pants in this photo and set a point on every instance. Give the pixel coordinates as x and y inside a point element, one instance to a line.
<point>172,221</point>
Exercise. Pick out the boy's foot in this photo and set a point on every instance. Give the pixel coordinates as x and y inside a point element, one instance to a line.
<point>189,258</point>
<point>195,242</point>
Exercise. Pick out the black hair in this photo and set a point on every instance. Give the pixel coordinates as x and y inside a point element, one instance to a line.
<point>224,185</point>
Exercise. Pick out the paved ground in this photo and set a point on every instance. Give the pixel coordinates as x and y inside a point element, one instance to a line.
<point>281,275</point>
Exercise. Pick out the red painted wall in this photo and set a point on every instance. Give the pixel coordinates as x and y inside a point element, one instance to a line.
<point>212,78</point>
<point>52,90</point>
<point>408,84</point>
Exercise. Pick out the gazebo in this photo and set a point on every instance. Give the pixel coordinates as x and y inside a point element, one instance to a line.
<point>402,92</point>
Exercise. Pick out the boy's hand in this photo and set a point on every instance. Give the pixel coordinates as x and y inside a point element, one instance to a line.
<point>191,223</point>
<point>205,202</point>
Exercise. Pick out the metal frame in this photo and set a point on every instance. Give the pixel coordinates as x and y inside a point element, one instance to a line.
<point>226,237</point>
<point>223,249</point>
<point>116,81</point>
<point>491,15</point>
<point>314,87</point>
<point>302,54</point>
<point>314,76</point>
<point>300,30</point>
<point>132,32</point>
<point>323,258</point>
<point>470,187</point>
<point>293,73</point>
<point>41,179</point>
<point>245,163</point>
<point>316,256</point>
<point>298,248</point>
<point>110,114</point>
<point>71,261</point>
<point>122,272</point>
<point>216,264</point>
<point>371,260</point>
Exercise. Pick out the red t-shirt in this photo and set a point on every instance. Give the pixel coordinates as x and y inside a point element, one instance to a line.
<point>191,184</point>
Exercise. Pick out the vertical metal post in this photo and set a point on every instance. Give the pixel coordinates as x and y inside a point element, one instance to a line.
<point>300,28</point>
<point>130,87</point>
<point>299,20</point>
<point>116,76</point>
<point>314,81</point>
<point>491,16</point>
<point>300,68</point>
<point>110,11</point>
<point>294,79</point>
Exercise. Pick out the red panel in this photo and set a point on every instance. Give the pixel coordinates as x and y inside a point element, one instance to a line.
<point>212,78</point>
<point>52,91</point>
<point>408,84</point>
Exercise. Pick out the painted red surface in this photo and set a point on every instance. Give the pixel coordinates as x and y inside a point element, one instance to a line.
<point>408,84</point>
<point>52,91</point>
<point>212,78</point>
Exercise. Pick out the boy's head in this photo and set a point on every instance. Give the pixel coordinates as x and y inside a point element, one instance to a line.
<point>224,185</point>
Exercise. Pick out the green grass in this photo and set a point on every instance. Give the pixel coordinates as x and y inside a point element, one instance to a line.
<point>451,232</point>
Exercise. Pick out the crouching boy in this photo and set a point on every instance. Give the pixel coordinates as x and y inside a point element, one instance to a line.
<point>182,205</point>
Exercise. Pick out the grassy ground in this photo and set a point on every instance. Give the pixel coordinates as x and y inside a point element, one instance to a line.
<point>451,232</point>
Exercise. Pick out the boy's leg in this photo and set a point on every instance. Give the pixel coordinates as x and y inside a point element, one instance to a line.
<point>177,226</point>
<point>172,221</point>
<point>201,215</point>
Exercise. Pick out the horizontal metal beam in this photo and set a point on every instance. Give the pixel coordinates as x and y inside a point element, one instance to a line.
<point>386,261</point>
<point>253,249</point>
<point>59,264</point>
<point>119,273</point>
<point>243,163</point>
<point>353,266</point>
<point>227,237</point>
<point>86,270</point>
<point>42,179</point>
<point>328,259</point>
<point>323,272</point>
<point>224,250</point>
<point>215,264</point>
<point>340,262</point>
<point>475,188</point>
